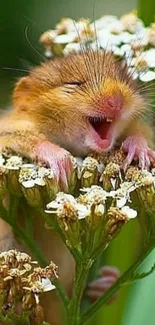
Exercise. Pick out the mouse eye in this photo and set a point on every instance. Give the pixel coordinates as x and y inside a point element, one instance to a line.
<point>74,83</point>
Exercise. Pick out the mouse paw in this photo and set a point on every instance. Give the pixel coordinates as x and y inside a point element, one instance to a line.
<point>108,276</point>
<point>58,159</point>
<point>137,149</point>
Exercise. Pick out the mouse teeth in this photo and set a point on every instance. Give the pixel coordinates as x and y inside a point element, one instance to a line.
<point>109,119</point>
<point>96,119</point>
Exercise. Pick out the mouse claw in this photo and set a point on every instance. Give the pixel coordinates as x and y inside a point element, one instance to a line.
<point>108,276</point>
<point>137,149</point>
<point>58,159</point>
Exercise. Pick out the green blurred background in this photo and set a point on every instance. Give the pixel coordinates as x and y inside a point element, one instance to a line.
<point>39,15</point>
<point>136,305</point>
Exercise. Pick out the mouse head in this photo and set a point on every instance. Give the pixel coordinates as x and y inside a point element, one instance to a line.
<point>88,97</point>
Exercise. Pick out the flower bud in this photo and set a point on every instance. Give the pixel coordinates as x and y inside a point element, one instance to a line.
<point>52,185</point>
<point>111,176</point>
<point>115,221</point>
<point>37,316</point>
<point>89,172</point>
<point>13,165</point>
<point>73,181</point>
<point>3,181</point>
<point>28,178</point>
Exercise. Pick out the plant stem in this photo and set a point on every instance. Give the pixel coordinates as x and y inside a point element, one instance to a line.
<point>79,283</point>
<point>124,279</point>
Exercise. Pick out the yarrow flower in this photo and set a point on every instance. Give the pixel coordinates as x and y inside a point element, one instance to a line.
<point>127,37</point>
<point>22,281</point>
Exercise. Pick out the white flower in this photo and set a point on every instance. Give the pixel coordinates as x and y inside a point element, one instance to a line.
<point>131,213</point>
<point>46,284</point>
<point>65,38</point>
<point>127,51</point>
<point>121,202</point>
<point>82,211</point>
<point>149,56</point>
<point>28,166</point>
<point>28,184</point>
<point>14,162</point>
<point>122,194</point>
<point>106,39</point>
<point>72,48</point>
<point>39,181</point>
<point>131,22</point>
<point>66,25</point>
<point>151,35</point>
<point>117,51</point>
<point>104,22</point>
<point>126,38</point>
<point>99,209</point>
<point>41,285</point>
<point>95,194</point>
<point>48,53</point>
<point>116,27</point>
<point>60,199</point>
<point>2,161</point>
<point>148,76</point>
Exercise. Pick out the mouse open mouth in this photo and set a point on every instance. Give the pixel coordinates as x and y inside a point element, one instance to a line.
<point>101,126</point>
<point>101,129</point>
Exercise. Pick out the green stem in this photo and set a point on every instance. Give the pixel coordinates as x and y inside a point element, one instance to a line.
<point>61,293</point>
<point>73,251</point>
<point>79,283</point>
<point>124,279</point>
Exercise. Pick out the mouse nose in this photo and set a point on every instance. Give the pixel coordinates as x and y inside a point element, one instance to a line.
<point>114,104</point>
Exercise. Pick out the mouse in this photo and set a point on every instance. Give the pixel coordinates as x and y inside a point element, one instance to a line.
<point>75,105</point>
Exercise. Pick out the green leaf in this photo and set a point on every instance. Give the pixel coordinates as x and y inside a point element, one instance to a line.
<point>140,308</point>
<point>143,275</point>
<point>146,11</point>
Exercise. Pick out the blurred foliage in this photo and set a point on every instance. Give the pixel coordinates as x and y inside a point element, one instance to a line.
<point>140,309</point>
<point>146,10</point>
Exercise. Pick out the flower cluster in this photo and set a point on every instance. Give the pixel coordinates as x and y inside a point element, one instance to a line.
<point>127,37</point>
<point>95,217</point>
<point>21,283</point>
<point>100,198</point>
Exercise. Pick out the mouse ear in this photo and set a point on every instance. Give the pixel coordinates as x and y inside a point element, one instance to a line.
<point>22,93</point>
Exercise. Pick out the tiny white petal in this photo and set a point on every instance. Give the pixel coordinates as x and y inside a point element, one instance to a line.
<point>28,184</point>
<point>118,51</point>
<point>83,211</point>
<point>65,38</point>
<point>148,76</point>
<point>48,53</point>
<point>104,22</point>
<point>99,209</point>
<point>72,47</point>
<point>39,181</point>
<point>113,182</point>
<point>121,202</point>
<point>100,168</point>
<point>127,51</point>
<point>27,166</point>
<point>47,285</point>
<point>131,213</point>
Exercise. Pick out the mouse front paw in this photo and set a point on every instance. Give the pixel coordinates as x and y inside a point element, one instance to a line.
<point>137,149</point>
<point>108,276</point>
<point>58,159</point>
